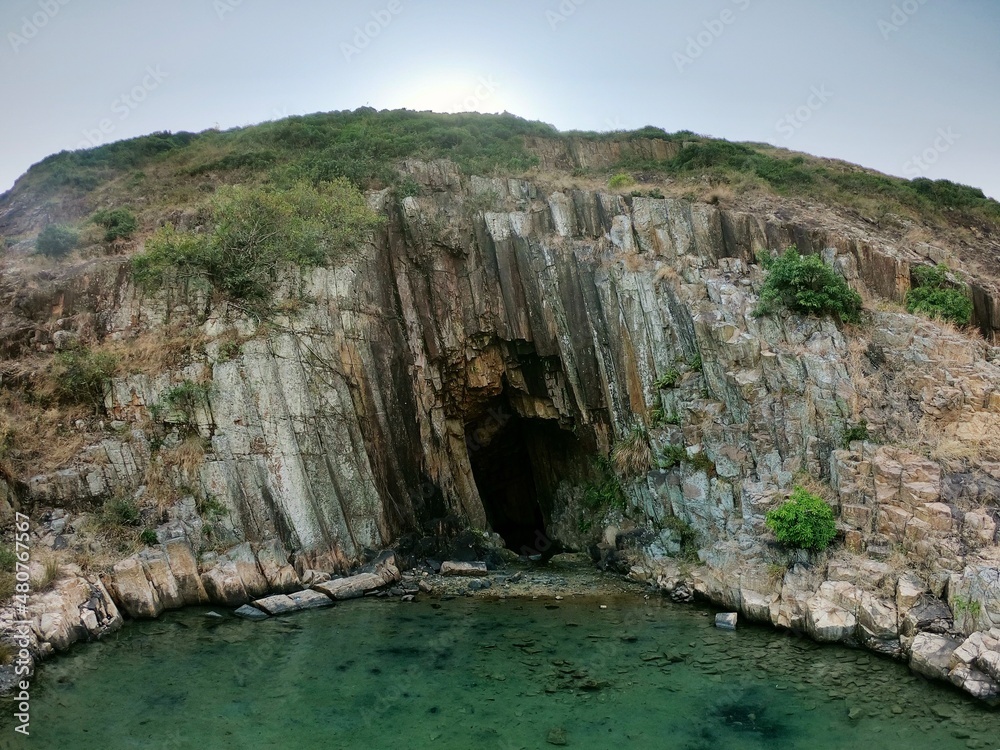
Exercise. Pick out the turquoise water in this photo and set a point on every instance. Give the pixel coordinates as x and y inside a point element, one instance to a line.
<point>470,674</point>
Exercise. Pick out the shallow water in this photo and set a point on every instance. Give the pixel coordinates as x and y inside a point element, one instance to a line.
<point>470,674</point>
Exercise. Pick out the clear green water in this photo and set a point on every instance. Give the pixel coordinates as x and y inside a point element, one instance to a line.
<point>470,674</point>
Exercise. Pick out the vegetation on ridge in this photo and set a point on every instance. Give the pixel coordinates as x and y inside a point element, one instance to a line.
<point>804,521</point>
<point>170,170</point>
<point>805,284</point>
<point>936,296</point>
<point>253,231</point>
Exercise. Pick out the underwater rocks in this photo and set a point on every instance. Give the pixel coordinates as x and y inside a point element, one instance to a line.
<point>726,620</point>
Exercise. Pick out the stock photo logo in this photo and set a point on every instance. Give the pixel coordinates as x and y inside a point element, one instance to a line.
<point>33,25</point>
<point>712,31</point>
<point>366,33</point>
<point>123,106</point>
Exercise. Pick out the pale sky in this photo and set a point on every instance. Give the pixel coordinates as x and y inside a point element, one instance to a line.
<point>908,87</point>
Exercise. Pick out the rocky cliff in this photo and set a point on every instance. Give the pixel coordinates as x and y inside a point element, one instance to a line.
<point>493,343</point>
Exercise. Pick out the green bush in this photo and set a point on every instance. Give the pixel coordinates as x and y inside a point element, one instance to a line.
<point>56,240</point>
<point>8,559</point>
<point>185,398</point>
<point>857,431</point>
<point>672,455</point>
<point>936,297</point>
<point>804,521</point>
<point>118,223</point>
<point>8,582</point>
<point>620,180</point>
<point>148,537</point>
<point>606,492</point>
<point>806,285</point>
<point>80,376</point>
<point>255,230</point>
<point>667,380</point>
<point>119,511</point>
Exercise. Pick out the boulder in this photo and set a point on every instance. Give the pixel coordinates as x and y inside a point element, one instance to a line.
<point>828,623</point>
<point>351,587</point>
<point>309,599</point>
<point>931,615</point>
<point>280,575</point>
<point>909,591</point>
<point>930,655</point>
<point>278,604</point>
<point>974,596</point>
<point>254,582</point>
<point>878,625</point>
<point>726,620</point>
<point>157,569</point>
<point>975,683</point>
<point>184,568</point>
<point>132,591</point>
<point>224,585</point>
<point>249,612</point>
<point>451,568</point>
<point>989,662</point>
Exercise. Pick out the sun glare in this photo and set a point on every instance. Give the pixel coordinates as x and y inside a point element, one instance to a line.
<point>455,93</point>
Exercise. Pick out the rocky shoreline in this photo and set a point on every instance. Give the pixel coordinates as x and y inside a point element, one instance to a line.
<point>833,602</point>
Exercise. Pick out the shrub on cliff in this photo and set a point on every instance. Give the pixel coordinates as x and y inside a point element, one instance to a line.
<point>118,223</point>
<point>80,376</point>
<point>804,521</point>
<point>937,297</point>
<point>254,231</point>
<point>56,240</point>
<point>804,284</point>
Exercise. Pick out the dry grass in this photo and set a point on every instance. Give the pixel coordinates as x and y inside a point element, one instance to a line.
<point>718,195</point>
<point>35,439</point>
<point>156,352</point>
<point>631,456</point>
<point>815,486</point>
<point>51,571</point>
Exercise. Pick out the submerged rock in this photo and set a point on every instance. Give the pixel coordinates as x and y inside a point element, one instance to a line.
<point>726,620</point>
<point>248,612</point>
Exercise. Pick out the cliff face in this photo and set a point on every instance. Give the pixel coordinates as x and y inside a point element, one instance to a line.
<point>492,342</point>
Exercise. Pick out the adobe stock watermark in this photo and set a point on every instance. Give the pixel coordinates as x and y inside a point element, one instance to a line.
<point>33,24</point>
<point>364,35</point>
<point>123,106</point>
<point>224,7</point>
<point>792,122</point>
<point>561,13</point>
<point>480,95</point>
<point>919,164</point>
<point>21,633</point>
<point>714,28</point>
<point>900,16</point>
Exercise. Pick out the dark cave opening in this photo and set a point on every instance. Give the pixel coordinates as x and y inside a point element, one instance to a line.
<point>517,464</point>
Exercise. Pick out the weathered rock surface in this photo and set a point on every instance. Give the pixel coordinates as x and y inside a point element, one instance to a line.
<point>475,569</point>
<point>383,573</point>
<point>930,655</point>
<point>364,410</point>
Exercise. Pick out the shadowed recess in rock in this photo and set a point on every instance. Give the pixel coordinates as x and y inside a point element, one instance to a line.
<point>517,464</point>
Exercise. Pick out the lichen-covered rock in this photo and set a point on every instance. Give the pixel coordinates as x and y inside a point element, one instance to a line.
<point>184,567</point>
<point>930,655</point>
<point>132,590</point>
<point>351,587</point>
<point>279,574</point>
<point>224,585</point>
<point>827,622</point>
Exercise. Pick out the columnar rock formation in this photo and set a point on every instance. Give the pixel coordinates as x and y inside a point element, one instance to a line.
<point>494,340</point>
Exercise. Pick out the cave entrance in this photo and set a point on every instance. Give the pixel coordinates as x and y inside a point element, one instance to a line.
<point>517,464</point>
